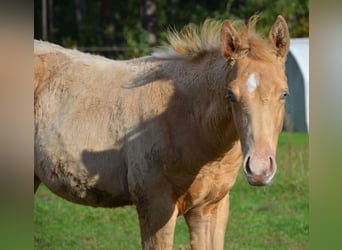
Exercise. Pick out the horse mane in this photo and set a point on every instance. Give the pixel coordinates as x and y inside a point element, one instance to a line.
<point>195,40</point>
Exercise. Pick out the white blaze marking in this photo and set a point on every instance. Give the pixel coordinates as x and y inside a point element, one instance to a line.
<point>252,82</point>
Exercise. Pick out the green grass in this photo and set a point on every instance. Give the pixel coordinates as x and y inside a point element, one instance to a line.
<point>272,217</point>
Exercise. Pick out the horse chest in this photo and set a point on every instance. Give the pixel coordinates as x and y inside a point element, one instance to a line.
<point>207,187</point>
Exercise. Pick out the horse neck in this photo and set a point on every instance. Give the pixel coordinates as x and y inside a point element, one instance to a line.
<point>201,84</point>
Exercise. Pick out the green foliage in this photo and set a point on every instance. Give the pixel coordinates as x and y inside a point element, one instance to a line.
<point>272,217</point>
<point>295,12</point>
<point>136,41</point>
<point>118,23</point>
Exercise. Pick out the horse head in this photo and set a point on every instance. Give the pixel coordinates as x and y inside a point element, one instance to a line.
<point>257,94</point>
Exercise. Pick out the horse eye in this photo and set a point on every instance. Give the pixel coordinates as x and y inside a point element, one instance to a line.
<point>284,94</point>
<point>231,96</point>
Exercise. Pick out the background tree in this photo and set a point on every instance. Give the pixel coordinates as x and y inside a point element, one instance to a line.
<point>148,20</point>
<point>130,28</point>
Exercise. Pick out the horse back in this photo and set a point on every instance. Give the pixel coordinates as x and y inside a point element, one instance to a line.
<point>47,59</point>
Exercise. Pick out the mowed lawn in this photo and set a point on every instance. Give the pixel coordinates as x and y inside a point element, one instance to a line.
<point>272,217</point>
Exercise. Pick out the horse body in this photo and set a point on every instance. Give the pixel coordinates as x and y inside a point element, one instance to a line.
<point>158,132</point>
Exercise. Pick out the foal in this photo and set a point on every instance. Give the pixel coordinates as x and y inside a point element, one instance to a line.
<point>166,133</point>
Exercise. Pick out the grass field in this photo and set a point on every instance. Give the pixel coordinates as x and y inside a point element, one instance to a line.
<point>272,217</point>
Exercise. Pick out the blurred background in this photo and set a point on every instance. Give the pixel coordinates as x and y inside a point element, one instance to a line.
<point>131,28</point>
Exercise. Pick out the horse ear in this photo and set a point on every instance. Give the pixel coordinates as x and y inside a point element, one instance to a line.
<point>279,36</point>
<point>230,41</point>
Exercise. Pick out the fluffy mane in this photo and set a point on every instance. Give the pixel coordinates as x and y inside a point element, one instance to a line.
<point>195,40</point>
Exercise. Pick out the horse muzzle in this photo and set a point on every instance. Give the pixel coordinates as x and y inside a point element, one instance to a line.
<point>259,170</point>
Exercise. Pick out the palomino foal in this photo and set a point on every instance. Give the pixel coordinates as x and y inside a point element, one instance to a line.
<point>168,132</point>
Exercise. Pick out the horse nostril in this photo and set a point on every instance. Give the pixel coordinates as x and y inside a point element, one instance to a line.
<point>271,165</point>
<point>271,168</point>
<point>247,167</point>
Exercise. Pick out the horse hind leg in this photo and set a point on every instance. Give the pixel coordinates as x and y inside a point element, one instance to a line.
<point>37,182</point>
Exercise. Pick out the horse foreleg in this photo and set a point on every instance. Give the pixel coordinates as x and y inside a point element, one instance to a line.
<point>207,225</point>
<point>157,223</point>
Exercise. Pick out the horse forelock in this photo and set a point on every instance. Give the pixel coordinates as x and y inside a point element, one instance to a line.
<point>195,40</point>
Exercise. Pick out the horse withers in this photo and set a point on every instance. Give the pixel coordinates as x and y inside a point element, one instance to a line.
<point>167,132</point>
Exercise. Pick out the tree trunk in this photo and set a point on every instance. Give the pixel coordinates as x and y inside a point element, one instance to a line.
<point>79,12</point>
<point>148,19</point>
<point>44,20</point>
<point>50,20</point>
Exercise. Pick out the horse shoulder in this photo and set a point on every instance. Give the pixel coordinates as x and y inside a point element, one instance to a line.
<point>212,182</point>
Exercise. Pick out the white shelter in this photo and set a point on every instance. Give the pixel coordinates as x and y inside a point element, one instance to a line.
<point>297,71</point>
